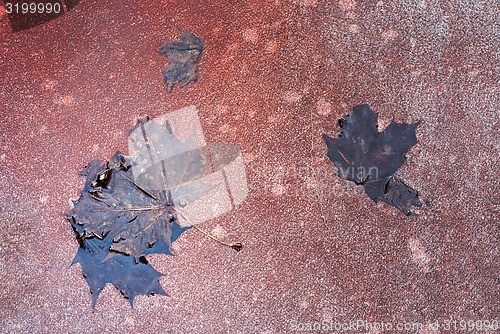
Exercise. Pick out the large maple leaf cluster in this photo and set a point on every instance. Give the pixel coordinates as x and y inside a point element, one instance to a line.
<point>130,206</point>
<point>117,223</point>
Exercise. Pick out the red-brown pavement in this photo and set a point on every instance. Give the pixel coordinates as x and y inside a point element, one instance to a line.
<point>274,77</point>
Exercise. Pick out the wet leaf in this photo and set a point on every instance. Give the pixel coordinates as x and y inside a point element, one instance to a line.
<point>371,158</point>
<point>116,206</point>
<point>182,60</point>
<point>131,278</point>
<point>136,204</point>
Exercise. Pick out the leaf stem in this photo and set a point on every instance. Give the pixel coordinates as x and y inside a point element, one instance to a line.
<point>236,246</point>
<point>133,209</point>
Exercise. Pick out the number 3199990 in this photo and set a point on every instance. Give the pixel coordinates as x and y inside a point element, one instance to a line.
<point>33,8</point>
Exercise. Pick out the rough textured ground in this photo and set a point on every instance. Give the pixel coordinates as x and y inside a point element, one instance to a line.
<point>274,77</point>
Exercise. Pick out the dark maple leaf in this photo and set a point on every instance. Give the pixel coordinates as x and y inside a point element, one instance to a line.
<point>370,158</point>
<point>133,198</point>
<point>131,278</point>
<point>100,204</point>
<point>113,204</point>
<point>182,60</point>
<point>129,206</point>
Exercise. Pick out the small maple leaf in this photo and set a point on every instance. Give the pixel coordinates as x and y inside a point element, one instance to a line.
<point>370,158</point>
<point>182,59</point>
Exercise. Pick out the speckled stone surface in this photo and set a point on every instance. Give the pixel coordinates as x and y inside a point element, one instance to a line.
<point>274,77</point>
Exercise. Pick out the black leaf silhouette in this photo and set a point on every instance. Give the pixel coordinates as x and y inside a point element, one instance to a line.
<point>370,158</point>
<point>182,60</point>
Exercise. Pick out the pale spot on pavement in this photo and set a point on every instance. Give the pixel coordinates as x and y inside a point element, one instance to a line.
<point>292,97</point>
<point>251,35</point>
<point>323,107</point>
<point>347,4</point>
